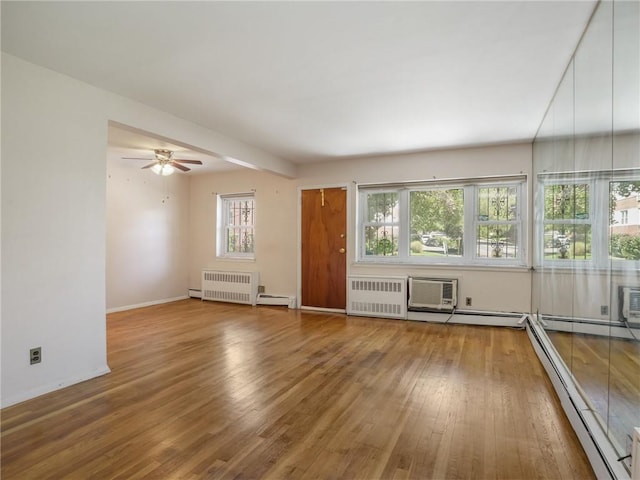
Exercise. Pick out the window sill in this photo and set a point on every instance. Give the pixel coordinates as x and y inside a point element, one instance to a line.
<point>443,266</point>
<point>569,269</point>
<point>236,259</point>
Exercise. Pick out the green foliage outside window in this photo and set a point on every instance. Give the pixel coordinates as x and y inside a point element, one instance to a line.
<point>625,246</point>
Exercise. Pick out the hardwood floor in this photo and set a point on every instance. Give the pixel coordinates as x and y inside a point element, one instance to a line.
<point>608,371</point>
<point>208,390</point>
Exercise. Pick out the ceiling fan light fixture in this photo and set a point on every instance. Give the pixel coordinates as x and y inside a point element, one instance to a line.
<point>163,169</point>
<point>163,155</point>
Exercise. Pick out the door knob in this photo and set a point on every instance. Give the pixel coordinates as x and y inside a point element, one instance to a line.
<point>342,250</point>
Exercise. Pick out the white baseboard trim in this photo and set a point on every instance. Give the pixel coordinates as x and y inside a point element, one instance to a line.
<point>146,304</point>
<point>41,390</point>
<point>601,454</point>
<point>325,310</point>
<point>603,330</point>
<point>490,319</point>
<point>283,300</point>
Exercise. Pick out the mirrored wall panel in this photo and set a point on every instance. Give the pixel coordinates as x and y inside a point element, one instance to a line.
<point>587,222</point>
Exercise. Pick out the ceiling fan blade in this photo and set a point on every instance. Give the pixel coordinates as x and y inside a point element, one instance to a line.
<point>137,158</point>
<point>149,166</point>
<point>182,160</point>
<point>179,167</point>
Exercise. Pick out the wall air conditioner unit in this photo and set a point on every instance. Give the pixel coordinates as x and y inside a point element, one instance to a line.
<point>440,294</point>
<point>629,304</point>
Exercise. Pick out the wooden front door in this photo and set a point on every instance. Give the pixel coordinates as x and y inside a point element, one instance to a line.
<point>324,245</point>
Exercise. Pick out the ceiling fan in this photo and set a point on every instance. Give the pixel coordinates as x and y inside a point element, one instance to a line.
<point>164,163</point>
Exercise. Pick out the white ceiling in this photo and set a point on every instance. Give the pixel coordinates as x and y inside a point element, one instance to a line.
<point>312,81</point>
<point>125,144</point>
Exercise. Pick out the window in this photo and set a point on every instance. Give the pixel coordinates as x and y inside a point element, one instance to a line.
<point>588,219</point>
<point>567,224</point>
<point>497,226</point>
<point>624,217</point>
<point>382,223</point>
<point>624,221</point>
<point>465,222</point>
<point>438,214</point>
<point>236,214</point>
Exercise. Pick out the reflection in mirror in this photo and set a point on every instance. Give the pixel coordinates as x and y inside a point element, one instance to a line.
<point>586,159</point>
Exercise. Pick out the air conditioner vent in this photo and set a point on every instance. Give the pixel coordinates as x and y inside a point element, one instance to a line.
<point>629,304</point>
<point>439,294</point>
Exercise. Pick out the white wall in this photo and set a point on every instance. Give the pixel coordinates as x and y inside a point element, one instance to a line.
<point>53,230</point>
<point>147,236</point>
<point>54,149</point>
<point>54,186</point>
<point>492,289</point>
<point>276,228</point>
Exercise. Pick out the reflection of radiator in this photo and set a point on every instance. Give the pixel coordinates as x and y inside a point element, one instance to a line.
<point>377,296</point>
<point>432,293</point>
<point>235,287</point>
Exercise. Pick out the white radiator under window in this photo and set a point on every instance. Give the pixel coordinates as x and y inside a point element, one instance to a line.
<point>235,287</point>
<point>377,296</point>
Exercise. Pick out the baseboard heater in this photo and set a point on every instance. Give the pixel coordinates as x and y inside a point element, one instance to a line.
<point>432,294</point>
<point>283,300</point>
<point>234,287</point>
<point>371,296</point>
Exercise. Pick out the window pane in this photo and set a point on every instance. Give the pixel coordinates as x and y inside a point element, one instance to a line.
<point>382,207</point>
<point>239,240</point>
<point>238,225</point>
<point>566,202</point>
<point>624,220</point>
<point>240,212</point>
<point>381,241</point>
<point>497,241</point>
<point>437,222</point>
<point>497,204</point>
<point>567,241</point>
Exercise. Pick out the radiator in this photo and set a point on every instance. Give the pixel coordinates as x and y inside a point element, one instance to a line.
<point>235,287</point>
<point>377,296</point>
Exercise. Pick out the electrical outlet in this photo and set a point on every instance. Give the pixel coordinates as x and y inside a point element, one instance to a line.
<point>604,309</point>
<point>261,289</point>
<point>35,355</point>
<point>468,302</point>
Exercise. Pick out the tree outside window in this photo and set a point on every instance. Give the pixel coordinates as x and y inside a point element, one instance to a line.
<point>437,222</point>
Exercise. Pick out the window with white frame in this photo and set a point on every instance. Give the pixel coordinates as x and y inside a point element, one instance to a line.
<point>624,221</point>
<point>236,225</point>
<point>457,222</point>
<point>567,221</point>
<point>624,217</point>
<point>381,223</point>
<point>585,219</point>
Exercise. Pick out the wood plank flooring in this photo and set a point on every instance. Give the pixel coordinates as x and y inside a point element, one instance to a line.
<point>209,390</point>
<point>608,371</point>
